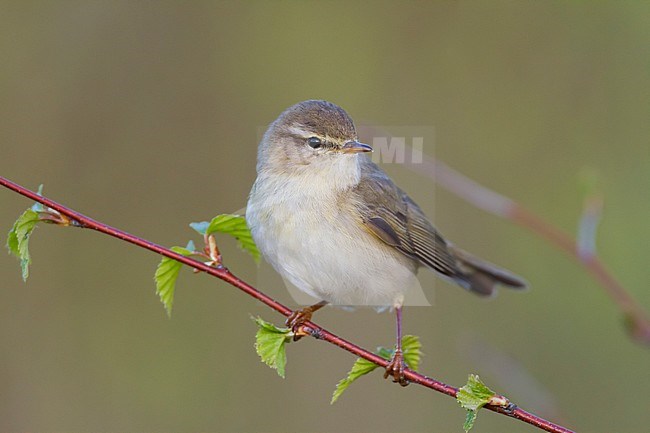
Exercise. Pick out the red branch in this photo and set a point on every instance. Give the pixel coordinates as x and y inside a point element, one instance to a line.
<point>230,278</point>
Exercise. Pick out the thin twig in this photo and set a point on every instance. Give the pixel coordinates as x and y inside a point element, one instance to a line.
<point>316,331</point>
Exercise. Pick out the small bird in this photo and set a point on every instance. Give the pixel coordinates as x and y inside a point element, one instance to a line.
<point>335,225</point>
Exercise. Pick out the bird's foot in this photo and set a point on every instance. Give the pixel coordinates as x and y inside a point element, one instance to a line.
<point>395,369</point>
<point>297,319</point>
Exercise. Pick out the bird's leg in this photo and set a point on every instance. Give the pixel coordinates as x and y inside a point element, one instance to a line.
<point>395,367</point>
<point>298,317</point>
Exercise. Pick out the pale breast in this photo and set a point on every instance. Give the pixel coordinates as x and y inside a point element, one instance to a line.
<point>322,248</point>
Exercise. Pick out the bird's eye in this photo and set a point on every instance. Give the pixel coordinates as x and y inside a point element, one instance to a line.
<point>314,142</point>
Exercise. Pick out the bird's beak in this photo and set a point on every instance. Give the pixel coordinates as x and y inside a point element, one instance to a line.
<point>355,147</point>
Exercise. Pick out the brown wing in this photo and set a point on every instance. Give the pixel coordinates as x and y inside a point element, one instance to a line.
<point>393,217</point>
<point>398,221</point>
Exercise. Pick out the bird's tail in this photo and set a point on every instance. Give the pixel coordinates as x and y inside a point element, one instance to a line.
<point>482,277</point>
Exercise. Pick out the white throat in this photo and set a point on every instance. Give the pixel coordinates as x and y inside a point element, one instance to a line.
<point>326,175</point>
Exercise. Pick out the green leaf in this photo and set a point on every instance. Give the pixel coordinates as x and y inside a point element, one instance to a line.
<point>473,396</point>
<point>200,227</point>
<point>469,420</point>
<point>361,367</point>
<point>269,344</point>
<point>234,225</point>
<point>18,239</point>
<point>166,275</point>
<point>385,353</point>
<point>410,348</point>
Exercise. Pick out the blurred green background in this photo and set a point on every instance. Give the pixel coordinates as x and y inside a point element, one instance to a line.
<point>146,115</point>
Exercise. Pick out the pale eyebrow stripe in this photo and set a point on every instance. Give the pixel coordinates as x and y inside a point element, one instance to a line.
<point>297,129</point>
